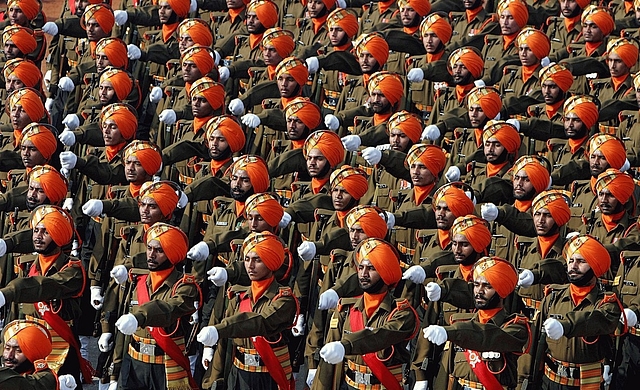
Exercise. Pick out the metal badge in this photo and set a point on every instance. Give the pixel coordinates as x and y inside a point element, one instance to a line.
<point>363,378</point>
<point>147,349</point>
<point>251,360</point>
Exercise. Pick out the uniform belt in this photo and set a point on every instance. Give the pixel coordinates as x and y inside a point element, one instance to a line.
<point>473,385</point>
<point>146,349</point>
<point>361,378</point>
<point>406,250</point>
<point>635,330</point>
<point>561,369</point>
<point>423,107</point>
<point>184,179</point>
<point>249,359</point>
<point>368,170</point>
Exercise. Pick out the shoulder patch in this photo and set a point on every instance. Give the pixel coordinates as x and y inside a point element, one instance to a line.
<point>40,365</point>
<point>609,298</point>
<point>284,292</point>
<point>402,304</point>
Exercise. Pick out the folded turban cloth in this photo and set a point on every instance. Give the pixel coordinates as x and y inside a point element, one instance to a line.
<point>33,339</point>
<point>52,182</point>
<point>267,205</point>
<point>295,68</point>
<point>554,201</point>
<point>455,198</point>
<point>475,230</point>
<point>25,70</point>
<point>345,19</point>
<point>406,122</point>
<point>487,98</point>
<point>198,30</point>
<point>354,181</point>
<point>583,107</point>
<point>267,246</point>
<point>537,41</point>
<point>230,129</point>
<point>375,45</point>
<point>383,257</point>
<point>422,7</point>
<point>328,143</point>
<point>470,58</point>
<point>558,74</point>
<point>439,25</point>
<point>611,147</point>
<point>180,7</point>
<point>163,193</point>
<point>201,56</point>
<point>58,223</point>
<point>517,9</point>
<point>371,222</point>
<point>537,173</point>
<point>305,110</point>
<point>627,51</point>
<point>120,81</point>
<point>42,137</point>
<point>210,90</point>
<point>600,17</point>
<point>147,153</point>
<point>592,250</point>
<point>618,183</point>
<point>431,156</point>
<point>504,132</point>
<point>256,169</point>
<point>102,13</point>
<point>281,40</point>
<point>501,274</point>
<point>124,116</point>
<point>30,8</point>
<point>116,51</point>
<point>173,241</point>
<point>389,84</point>
<point>22,37</point>
<point>266,11</point>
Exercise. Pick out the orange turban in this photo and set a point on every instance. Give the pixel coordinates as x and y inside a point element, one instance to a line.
<point>555,202</point>
<point>116,51</point>
<point>305,110</point>
<point>583,107</point>
<point>501,274</point>
<point>600,17</point>
<point>53,183</point>
<point>266,11</point>
<point>281,40</point>
<point>58,223</point>
<point>455,198</point>
<point>147,153</point>
<point>230,129</point>
<point>583,3</point>
<point>537,41</point>
<point>517,9</point>
<point>33,339</point>
<point>22,37</point>
<point>163,193</point>
<point>345,19</point>
<point>256,169</point>
<point>328,143</point>
<point>120,80</point>
<point>406,122</point>
<point>592,250</point>
<point>180,7</point>
<point>201,56</point>
<point>611,147</point>
<point>198,30</point>
<point>372,223</point>
<point>375,45</point>
<point>354,181</point>
<point>470,58</point>
<point>30,8</point>
<point>42,137</point>
<point>211,90</point>
<point>504,132</point>
<point>30,100</point>
<point>295,68</point>
<point>173,241</point>
<point>475,229</point>
<point>25,70</point>
<point>433,157</point>
<point>383,257</point>
<point>124,116</point>
<point>618,183</point>
<point>267,205</point>
<point>627,51</point>
<point>536,172</point>
<point>558,74</point>
<point>439,25</point>
<point>329,4</point>
<point>487,98</point>
<point>267,246</point>
<point>389,84</point>
<point>102,13</point>
<point>422,7</point>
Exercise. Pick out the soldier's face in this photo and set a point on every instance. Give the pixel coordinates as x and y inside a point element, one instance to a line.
<point>420,174</point>
<point>522,187</point>
<point>185,42</point>
<point>574,128</point>
<point>356,235</point>
<point>317,164</point>
<point>527,58</point>
<point>461,75</point>
<point>111,133</point>
<point>17,17</point>
<point>399,140</point>
<point>155,256</point>
<point>257,223</point>
<point>367,275</point>
<point>190,71</point>
<point>597,163</point>
<point>13,83</point>
<point>234,4</point>
<point>577,267</point>
<point>493,150</point>
<point>30,155</point>
<point>544,223</point>
<point>241,187</point>
<point>81,5</point>
<point>95,31</point>
<point>508,25</point>
<point>444,216</point>
<point>462,249</point>
<point>134,171</point>
<point>296,129</point>
<point>471,4</point>
<point>337,36</point>
<point>218,145</point>
<point>270,55</point>
<point>11,51</point>
<point>637,12</point>
<point>106,93</point>
<point>42,241</point>
<point>617,67</point>
<point>569,8</point>
<point>253,23</point>
<point>591,32</point>
<point>477,117</point>
<point>287,85</point>
<point>12,356</point>
<point>368,64</point>
<point>484,294</point>
<point>35,195</point>
<point>409,17</point>
<point>608,204</point>
<point>19,117</point>
<point>379,103</point>
<point>316,8</point>
<point>200,107</point>
<point>165,12</point>
<point>551,92</point>
<point>150,212</point>
<point>256,269</point>
<point>431,42</point>
<point>341,198</point>
<point>102,61</point>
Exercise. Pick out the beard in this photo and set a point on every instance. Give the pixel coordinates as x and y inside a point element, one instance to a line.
<point>242,196</point>
<point>374,288</point>
<point>582,280</point>
<point>49,249</point>
<point>491,303</point>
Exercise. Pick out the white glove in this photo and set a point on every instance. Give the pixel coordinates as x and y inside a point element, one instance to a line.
<point>127,324</point>
<point>434,291</point>
<point>199,252</point>
<point>571,235</point>
<point>421,385</point>
<point>92,208</point>
<point>67,138</point>
<point>50,28</point>
<point>67,204</point>
<point>591,76</point>
<point>155,95</point>
<point>113,385</point>
<point>435,333</point>
<point>67,382</point>
<point>372,155</point>
<point>195,317</point>
<point>208,336</point>
<point>120,16</point>
<point>133,52</point>
<point>2,299</point>
<point>341,4</point>
<point>415,273</point>
<point>328,300</point>
<point>104,342</point>
<point>298,328</point>
<point>452,174</point>
<point>545,61</point>
<point>183,199</point>
<point>3,247</point>
<point>525,279</point>
<point>351,142</point>
<point>307,250</point>
<point>96,297</point>
<point>332,122</point>
<point>193,6</point>
<point>250,120</point>
<point>72,121</point>
<point>312,64</point>
<point>607,375</point>
<point>553,328</point>
<point>311,375</point>
<point>391,220</point>
<point>489,211</point>
<point>218,276</point>
<point>236,107</point>
<point>430,133</point>
<point>515,123</point>
<point>167,116</point>
<point>66,84</point>
<point>333,352</point>
<point>479,83</point>
<point>625,167</point>
<point>48,104</point>
<point>207,357</point>
<point>632,318</point>
<point>285,220</point>
<point>415,75</point>
<point>216,57</point>
<point>224,73</point>
<point>119,273</point>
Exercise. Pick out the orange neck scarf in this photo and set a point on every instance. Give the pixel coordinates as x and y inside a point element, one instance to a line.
<point>215,165</point>
<point>444,238</point>
<point>461,92</point>
<point>318,23</point>
<point>546,243</point>
<point>271,71</point>
<point>472,13</point>
<point>478,134</point>
<point>593,184</point>
<point>528,71</point>
<point>628,6</point>
<point>467,272</point>
<point>341,216</point>
<point>365,79</point>
<point>258,287</point>
<point>485,315</point>
<point>552,109</point>
<point>240,208</point>
<point>383,6</point>
<point>134,189</point>
<point>317,184</point>
<point>435,56</point>
<point>617,81</point>
<point>284,101</point>
<point>523,205</point>
<point>410,30</point>
<point>234,13</point>
<point>47,261</point>
<point>158,277</point>
<point>507,40</point>
<point>112,151</point>
<point>198,123</point>
<point>372,301</point>
<point>591,47</point>
<point>493,169</point>
<point>297,144</point>
<point>578,294</point>
<point>345,47</point>
<point>380,118</point>
<point>570,23</point>
<point>420,193</point>
<point>17,138</point>
<point>92,47</point>
<point>254,40</point>
<point>611,221</point>
<point>575,144</point>
<point>167,31</point>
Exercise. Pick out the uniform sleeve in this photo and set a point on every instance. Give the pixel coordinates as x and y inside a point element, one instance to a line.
<point>166,312</point>
<point>600,321</point>
<point>16,197</point>
<point>273,318</point>
<point>488,337</point>
<point>303,210</point>
<point>393,162</point>
<point>395,330</point>
<point>550,271</point>
<point>458,293</point>
<point>518,222</point>
<point>124,209</point>
<point>63,284</point>
<point>420,217</point>
<point>184,150</point>
<point>101,172</point>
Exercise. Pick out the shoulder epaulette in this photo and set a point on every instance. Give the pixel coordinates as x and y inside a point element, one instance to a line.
<point>346,302</point>
<point>40,365</point>
<point>402,304</point>
<point>284,291</point>
<point>610,297</point>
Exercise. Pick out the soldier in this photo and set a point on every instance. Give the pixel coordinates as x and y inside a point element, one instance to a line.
<point>411,14</point>
<point>382,12</point>
<point>470,26</point>
<point>28,14</point>
<point>566,28</point>
<point>312,29</point>
<point>19,42</point>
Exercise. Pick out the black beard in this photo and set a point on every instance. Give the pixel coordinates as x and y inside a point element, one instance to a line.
<point>374,69</point>
<point>242,197</point>
<point>166,265</point>
<point>581,134</point>
<point>24,367</point>
<point>476,4</point>
<point>374,288</point>
<point>324,171</point>
<point>303,135</point>
<point>502,158</point>
<point>468,79</point>
<point>415,22</point>
<point>173,18</point>
<point>31,205</point>
<point>49,249</point>
<point>491,303</point>
<point>583,280</point>
<point>223,156</point>
<point>472,258</point>
<point>527,196</point>
<point>344,40</point>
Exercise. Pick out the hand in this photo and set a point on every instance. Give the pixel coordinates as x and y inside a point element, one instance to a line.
<point>390,218</point>
<point>351,142</point>
<point>67,138</point>
<point>298,329</point>
<point>133,52</point>
<point>207,357</point>
<point>167,116</point>
<point>193,6</point>
<point>92,208</point>
<point>66,84</point>
<point>67,204</point>
<point>479,83</point>
<point>119,273</point>
<point>571,235</point>
<point>312,64</point>
<point>632,318</point>
<point>96,297</point>
<point>546,61</point>
<point>285,220</point>
<point>216,58</point>
<point>68,160</point>
<point>208,336</point>
<point>434,291</point>
<point>421,385</point>
<point>104,342</point>
<point>250,120</point>
<point>113,385</point>
<point>67,382</point>
<point>199,252</point>
<point>372,155</point>
<point>155,95</point>
<point>328,300</point>
<point>525,279</point>
<point>3,247</point>
<point>48,105</point>
<point>430,133</point>
<point>489,211</point>
<point>333,352</point>
<point>452,174</point>
<point>435,333</point>
<point>127,324</point>
<point>71,121</point>
<point>514,122</point>
<point>3,301</point>
<point>332,122</point>
<point>307,250</point>
<point>183,199</point>
<point>607,375</point>
<point>218,276</point>
<point>50,28</point>
<point>553,328</point>
<point>224,73</point>
<point>415,75</point>
<point>625,167</point>
<point>236,107</point>
<point>312,371</point>
<point>120,16</point>
<point>415,273</point>
<point>195,317</point>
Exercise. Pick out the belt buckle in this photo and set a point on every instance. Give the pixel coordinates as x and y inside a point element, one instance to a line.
<point>147,349</point>
<point>363,378</point>
<point>251,360</point>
